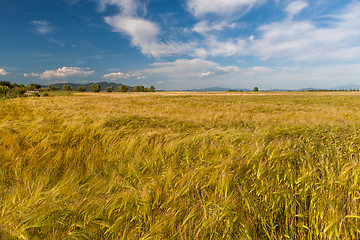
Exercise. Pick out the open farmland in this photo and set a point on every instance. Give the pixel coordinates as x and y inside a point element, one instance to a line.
<point>181,166</point>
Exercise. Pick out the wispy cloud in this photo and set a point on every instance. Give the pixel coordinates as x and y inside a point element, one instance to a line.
<point>220,71</point>
<point>126,7</point>
<point>42,26</point>
<point>204,27</point>
<point>306,41</point>
<point>296,7</point>
<point>31,74</point>
<point>288,39</point>
<point>186,68</point>
<point>61,44</point>
<point>3,72</point>
<point>120,75</point>
<point>224,8</point>
<point>63,72</point>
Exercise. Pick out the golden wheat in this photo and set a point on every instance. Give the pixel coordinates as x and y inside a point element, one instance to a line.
<point>180,166</point>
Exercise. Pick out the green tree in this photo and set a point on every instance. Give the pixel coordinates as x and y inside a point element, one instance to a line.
<point>67,88</point>
<point>33,87</point>
<point>256,89</point>
<point>95,88</point>
<point>81,89</point>
<point>5,83</point>
<point>123,88</point>
<point>53,88</point>
<point>18,92</point>
<point>151,88</point>
<point>109,89</point>
<point>14,85</point>
<point>4,90</point>
<point>138,88</point>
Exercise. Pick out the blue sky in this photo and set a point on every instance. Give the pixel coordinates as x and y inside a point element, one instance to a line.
<point>184,44</point>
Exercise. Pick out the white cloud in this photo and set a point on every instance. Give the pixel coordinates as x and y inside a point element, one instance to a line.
<point>63,73</point>
<point>226,48</point>
<point>61,44</point>
<point>225,8</point>
<point>203,27</point>
<point>31,74</point>
<point>143,33</point>
<point>220,71</point>
<point>312,76</point>
<point>296,7</point>
<point>181,68</point>
<point>287,40</point>
<point>305,41</point>
<point>3,72</point>
<point>127,7</point>
<point>120,75</point>
<point>42,26</point>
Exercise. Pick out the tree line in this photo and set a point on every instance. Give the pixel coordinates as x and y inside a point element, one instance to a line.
<point>122,88</point>
<point>13,90</point>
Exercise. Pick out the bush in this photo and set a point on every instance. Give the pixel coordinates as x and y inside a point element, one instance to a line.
<point>109,89</point>
<point>45,95</point>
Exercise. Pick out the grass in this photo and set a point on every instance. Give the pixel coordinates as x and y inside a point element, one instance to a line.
<point>180,166</point>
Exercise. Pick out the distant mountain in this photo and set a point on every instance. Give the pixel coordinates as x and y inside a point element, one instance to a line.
<point>222,89</point>
<point>215,89</point>
<point>103,85</point>
<point>278,90</point>
<point>347,87</point>
<point>309,89</point>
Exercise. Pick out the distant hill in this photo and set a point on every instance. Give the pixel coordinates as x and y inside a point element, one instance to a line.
<point>215,89</point>
<point>222,89</point>
<point>103,85</point>
<point>347,87</point>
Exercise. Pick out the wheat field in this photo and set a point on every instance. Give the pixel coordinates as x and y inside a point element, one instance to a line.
<point>180,165</point>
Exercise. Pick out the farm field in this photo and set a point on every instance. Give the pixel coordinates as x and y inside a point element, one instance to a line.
<point>181,165</point>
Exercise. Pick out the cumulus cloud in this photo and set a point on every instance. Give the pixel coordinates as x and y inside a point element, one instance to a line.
<point>42,26</point>
<point>3,72</point>
<point>143,33</point>
<point>200,8</point>
<point>120,75</point>
<point>62,73</point>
